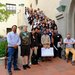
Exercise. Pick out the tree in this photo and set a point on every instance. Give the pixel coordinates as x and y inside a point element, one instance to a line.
<point>4,14</point>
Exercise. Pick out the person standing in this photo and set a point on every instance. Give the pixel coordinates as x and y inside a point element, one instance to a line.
<point>34,48</point>
<point>57,44</point>
<point>25,47</point>
<point>13,42</point>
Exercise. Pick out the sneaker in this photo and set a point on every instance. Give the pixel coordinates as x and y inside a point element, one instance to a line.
<point>28,66</point>
<point>17,69</point>
<point>10,73</point>
<point>67,60</point>
<point>73,63</point>
<point>30,63</point>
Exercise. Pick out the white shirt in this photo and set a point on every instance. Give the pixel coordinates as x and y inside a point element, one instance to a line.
<point>71,40</point>
<point>13,39</point>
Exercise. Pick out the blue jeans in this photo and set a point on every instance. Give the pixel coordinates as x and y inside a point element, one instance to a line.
<point>12,58</point>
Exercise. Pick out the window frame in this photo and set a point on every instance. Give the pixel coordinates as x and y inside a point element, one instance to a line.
<point>36,2</point>
<point>11,7</point>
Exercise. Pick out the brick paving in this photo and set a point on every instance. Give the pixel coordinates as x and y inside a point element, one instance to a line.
<point>55,67</point>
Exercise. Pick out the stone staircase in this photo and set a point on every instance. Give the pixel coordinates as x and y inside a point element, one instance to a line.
<point>26,22</point>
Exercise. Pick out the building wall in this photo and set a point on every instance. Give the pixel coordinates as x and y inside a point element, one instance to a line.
<point>48,6</point>
<point>67,23</point>
<point>50,9</point>
<point>12,19</point>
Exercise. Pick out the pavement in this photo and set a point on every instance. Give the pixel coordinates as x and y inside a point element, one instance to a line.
<point>54,67</point>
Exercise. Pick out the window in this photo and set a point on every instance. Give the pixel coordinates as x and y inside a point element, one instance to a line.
<point>36,2</point>
<point>11,7</point>
<point>8,30</point>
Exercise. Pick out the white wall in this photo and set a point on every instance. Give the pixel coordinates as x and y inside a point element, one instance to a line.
<point>12,19</point>
<point>66,24</point>
<point>48,6</point>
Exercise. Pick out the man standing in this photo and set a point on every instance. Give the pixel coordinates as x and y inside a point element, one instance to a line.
<point>57,44</point>
<point>69,42</point>
<point>13,43</point>
<point>25,47</point>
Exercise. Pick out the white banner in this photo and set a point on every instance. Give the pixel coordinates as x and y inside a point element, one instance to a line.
<point>45,52</point>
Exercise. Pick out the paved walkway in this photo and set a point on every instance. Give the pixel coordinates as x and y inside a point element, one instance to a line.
<point>54,67</point>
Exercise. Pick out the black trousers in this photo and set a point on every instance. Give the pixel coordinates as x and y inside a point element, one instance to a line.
<point>57,53</point>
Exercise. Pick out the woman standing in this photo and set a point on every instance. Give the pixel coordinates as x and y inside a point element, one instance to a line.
<point>34,46</point>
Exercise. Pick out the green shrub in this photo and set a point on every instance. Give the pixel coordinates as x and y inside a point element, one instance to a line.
<point>1,36</point>
<point>3,45</point>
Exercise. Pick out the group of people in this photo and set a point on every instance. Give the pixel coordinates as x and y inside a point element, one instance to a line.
<point>44,33</point>
<point>37,18</point>
<point>30,42</point>
<point>44,25</point>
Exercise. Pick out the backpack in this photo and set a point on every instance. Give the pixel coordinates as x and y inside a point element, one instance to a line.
<point>34,59</point>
